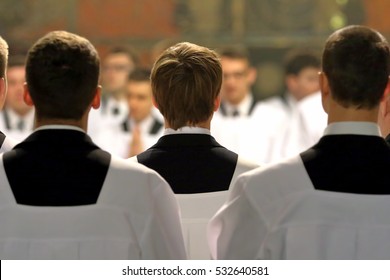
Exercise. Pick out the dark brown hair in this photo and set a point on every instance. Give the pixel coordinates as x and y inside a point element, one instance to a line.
<point>62,71</point>
<point>356,61</point>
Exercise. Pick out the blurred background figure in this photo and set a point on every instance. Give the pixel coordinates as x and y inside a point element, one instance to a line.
<point>238,102</point>
<point>118,63</point>
<point>300,107</point>
<point>17,118</point>
<point>238,78</point>
<point>142,127</point>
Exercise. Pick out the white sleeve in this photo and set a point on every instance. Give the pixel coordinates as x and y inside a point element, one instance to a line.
<point>237,230</point>
<point>162,237</point>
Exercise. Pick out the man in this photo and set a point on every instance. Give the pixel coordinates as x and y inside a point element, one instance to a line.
<point>141,128</point>
<point>6,143</point>
<point>116,67</point>
<point>238,104</point>
<point>186,81</point>
<point>331,201</point>
<point>238,78</point>
<point>303,120</point>
<point>62,193</point>
<point>17,118</point>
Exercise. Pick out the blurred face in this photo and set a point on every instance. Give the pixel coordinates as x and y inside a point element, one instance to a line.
<point>16,79</point>
<point>238,78</point>
<point>139,98</point>
<point>115,71</point>
<point>303,84</point>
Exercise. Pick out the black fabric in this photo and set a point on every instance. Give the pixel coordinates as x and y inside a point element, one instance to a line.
<point>388,139</point>
<point>2,138</point>
<point>56,168</point>
<point>191,163</point>
<point>350,164</point>
<point>157,125</point>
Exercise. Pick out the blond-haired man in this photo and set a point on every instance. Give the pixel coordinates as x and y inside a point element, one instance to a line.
<point>186,81</point>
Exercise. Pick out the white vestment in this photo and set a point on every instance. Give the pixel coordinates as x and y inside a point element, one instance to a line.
<point>275,213</point>
<point>136,217</point>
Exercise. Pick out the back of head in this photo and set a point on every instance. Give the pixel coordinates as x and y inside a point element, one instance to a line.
<point>356,61</point>
<point>62,71</point>
<point>3,57</point>
<point>186,80</point>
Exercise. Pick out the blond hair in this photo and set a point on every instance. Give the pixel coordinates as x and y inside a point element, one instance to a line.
<point>3,57</point>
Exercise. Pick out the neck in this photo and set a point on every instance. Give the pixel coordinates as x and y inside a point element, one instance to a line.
<point>205,124</point>
<point>81,123</point>
<point>337,113</point>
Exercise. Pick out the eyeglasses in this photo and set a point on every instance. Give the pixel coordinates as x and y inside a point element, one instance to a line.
<point>235,75</point>
<point>116,68</point>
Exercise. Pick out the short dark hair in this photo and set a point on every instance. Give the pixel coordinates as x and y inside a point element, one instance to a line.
<point>126,51</point>
<point>356,61</point>
<point>140,75</point>
<point>235,52</point>
<point>3,56</point>
<point>16,60</point>
<point>186,80</point>
<point>62,71</point>
<point>297,60</point>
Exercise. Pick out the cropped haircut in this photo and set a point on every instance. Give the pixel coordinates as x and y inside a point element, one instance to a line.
<point>16,60</point>
<point>62,71</point>
<point>126,51</point>
<point>356,61</point>
<point>140,75</point>
<point>186,79</point>
<point>235,52</point>
<point>3,57</point>
<point>298,60</point>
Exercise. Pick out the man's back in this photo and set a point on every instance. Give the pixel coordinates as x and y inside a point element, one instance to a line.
<point>194,163</point>
<point>61,175</point>
<point>306,206</point>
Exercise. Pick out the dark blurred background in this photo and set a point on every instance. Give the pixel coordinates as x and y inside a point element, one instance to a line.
<point>268,28</point>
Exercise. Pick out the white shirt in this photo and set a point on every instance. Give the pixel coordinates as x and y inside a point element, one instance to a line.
<point>242,108</point>
<point>187,130</point>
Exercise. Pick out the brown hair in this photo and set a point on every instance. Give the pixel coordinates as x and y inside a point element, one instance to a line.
<point>62,71</point>
<point>3,56</point>
<point>186,79</point>
<point>356,60</point>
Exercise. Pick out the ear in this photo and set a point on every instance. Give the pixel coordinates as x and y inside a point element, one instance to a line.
<point>97,97</point>
<point>26,96</point>
<point>384,108</point>
<point>217,102</point>
<point>325,91</point>
<point>252,75</point>
<point>154,102</point>
<point>3,91</point>
<point>291,82</point>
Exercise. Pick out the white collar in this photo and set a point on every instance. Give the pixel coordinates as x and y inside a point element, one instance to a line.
<point>357,128</point>
<point>243,107</point>
<point>187,130</point>
<point>145,125</point>
<point>14,119</point>
<point>59,126</point>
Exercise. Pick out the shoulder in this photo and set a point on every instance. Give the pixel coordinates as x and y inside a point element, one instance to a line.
<point>269,185</point>
<point>8,144</point>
